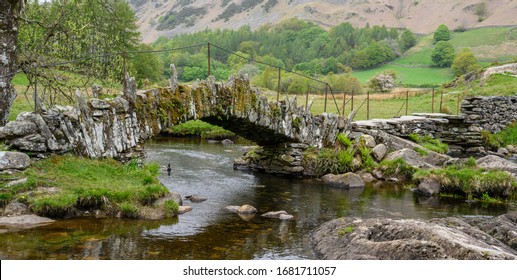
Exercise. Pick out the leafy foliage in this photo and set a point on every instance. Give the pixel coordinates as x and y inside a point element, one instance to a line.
<point>464,63</point>
<point>443,54</point>
<point>442,33</point>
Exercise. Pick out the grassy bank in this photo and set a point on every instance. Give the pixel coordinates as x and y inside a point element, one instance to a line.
<point>61,185</point>
<point>201,129</point>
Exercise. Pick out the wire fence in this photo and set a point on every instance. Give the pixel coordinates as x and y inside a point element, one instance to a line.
<point>310,90</point>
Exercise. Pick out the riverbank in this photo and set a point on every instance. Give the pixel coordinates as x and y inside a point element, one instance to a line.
<point>69,186</point>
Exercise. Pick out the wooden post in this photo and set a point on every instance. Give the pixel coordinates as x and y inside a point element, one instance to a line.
<point>344,103</point>
<point>325,104</point>
<point>209,58</point>
<point>441,101</point>
<point>367,105</point>
<point>352,102</point>
<point>432,103</point>
<point>278,85</point>
<point>407,102</point>
<point>307,98</point>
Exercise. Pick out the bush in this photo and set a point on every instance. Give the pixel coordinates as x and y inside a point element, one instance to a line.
<point>442,33</point>
<point>443,54</point>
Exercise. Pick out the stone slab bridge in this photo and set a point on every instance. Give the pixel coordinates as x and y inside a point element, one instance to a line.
<point>114,127</point>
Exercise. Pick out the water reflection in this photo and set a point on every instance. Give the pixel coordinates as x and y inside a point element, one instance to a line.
<point>212,232</point>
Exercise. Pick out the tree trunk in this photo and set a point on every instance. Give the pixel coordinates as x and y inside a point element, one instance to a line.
<point>9,15</point>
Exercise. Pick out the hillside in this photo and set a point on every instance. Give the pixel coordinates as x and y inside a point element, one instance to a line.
<point>169,17</point>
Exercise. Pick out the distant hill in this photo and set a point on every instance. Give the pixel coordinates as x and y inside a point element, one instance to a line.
<point>169,17</point>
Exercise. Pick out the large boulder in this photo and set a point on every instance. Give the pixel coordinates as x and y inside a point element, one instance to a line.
<point>410,156</point>
<point>374,239</point>
<point>493,162</point>
<point>14,160</point>
<point>348,180</point>
<point>379,152</point>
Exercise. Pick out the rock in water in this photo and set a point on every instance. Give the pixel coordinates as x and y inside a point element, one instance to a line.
<point>428,187</point>
<point>246,209</point>
<point>387,239</point>
<point>196,198</point>
<point>348,180</point>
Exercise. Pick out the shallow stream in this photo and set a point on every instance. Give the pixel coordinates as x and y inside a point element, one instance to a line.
<point>212,232</point>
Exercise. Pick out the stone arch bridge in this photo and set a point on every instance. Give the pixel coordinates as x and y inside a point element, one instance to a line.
<point>112,128</point>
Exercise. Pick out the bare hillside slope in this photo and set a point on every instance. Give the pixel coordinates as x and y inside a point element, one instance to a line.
<point>170,17</point>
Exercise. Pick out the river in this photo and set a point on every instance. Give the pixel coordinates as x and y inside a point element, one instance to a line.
<point>212,232</point>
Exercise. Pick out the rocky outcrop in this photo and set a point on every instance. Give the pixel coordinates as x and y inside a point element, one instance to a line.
<point>411,157</point>
<point>13,160</point>
<point>447,238</point>
<point>348,180</point>
<point>492,162</point>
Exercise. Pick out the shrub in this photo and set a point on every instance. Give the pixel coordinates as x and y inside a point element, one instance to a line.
<point>429,143</point>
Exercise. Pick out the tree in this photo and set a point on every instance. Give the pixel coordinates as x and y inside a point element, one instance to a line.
<point>464,63</point>
<point>443,54</point>
<point>146,66</point>
<point>92,34</point>
<point>442,33</point>
<point>9,15</point>
<point>407,40</point>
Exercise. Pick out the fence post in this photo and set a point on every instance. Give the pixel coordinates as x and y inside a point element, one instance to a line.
<point>432,102</point>
<point>278,85</point>
<point>407,102</point>
<point>326,92</point>
<point>352,102</point>
<point>344,103</point>
<point>367,105</point>
<point>441,101</point>
<point>307,98</point>
<point>209,60</point>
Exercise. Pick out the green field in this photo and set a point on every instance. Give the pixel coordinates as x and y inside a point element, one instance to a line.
<point>490,44</point>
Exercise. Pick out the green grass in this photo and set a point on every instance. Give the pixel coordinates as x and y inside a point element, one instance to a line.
<point>429,143</point>
<point>200,129</point>
<point>409,75</point>
<point>20,79</point>
<point>397,167</point>
<point>489,44</point>
<point>472,182</point>
<point>82,183</point>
